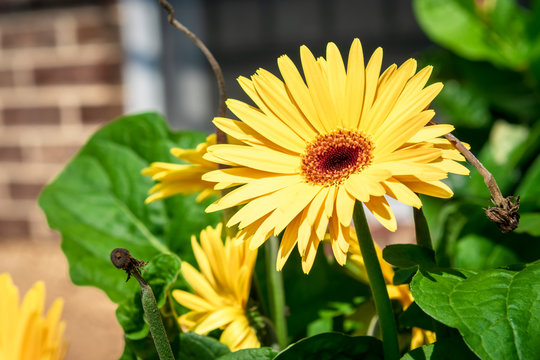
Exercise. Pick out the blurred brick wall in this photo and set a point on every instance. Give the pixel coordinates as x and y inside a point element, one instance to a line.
<point>60,79</point>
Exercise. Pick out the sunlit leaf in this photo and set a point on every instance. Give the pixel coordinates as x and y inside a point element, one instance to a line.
<point>496,311</point>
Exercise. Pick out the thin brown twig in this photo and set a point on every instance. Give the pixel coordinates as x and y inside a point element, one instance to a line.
<point>504,214</point>
<point>221,137</point>
<point>222,109</point>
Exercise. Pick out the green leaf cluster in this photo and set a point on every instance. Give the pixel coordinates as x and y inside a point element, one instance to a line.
<point>489,61</point>
<point>468,289</point>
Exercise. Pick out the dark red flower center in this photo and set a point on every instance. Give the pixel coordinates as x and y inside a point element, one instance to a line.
<point>331,158</point>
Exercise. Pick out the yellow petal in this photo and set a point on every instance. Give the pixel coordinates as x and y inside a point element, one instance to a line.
<point>336,81</point>
<point>344,206</point>
<point>387,97</point>
<point>217,319</point>
<point>199,284</point>
<point>275,131</point>
<point>318,90</point>
<point>390,142</point>
<point>432,131</point>
<point>192,302</point>
<point>288,242</point>
<point>402,193</point>
<point>431,188</point>
<point>373,70</point>
<point>311,252</point>
<point>254,190</point>
<point>275,95</point>
<point>259,158</point>
<point>299,92</point>
<point>354,91</point>
<point>382,212</point>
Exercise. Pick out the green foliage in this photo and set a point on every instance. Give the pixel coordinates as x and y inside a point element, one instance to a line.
<point>445,349</point>
<point>197,347</point>
<point>97,202</point>
<point>306,295</point>
<point>496,311</point>
<point>407,255</point>
<point>333,346</point>
<point>264,353</point>
<point>161,273</point>
<point>490,65</point>
<point>494,31</point>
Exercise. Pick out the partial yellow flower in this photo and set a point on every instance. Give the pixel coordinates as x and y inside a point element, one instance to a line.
<point>25,333</point>
<point>310,149</point>
<point>401,293</point>
<point>182,178</point>
<point>221,289</point>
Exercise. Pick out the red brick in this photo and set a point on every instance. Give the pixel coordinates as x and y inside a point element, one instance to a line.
<point>29,38</point>
<point>56,154</point>
<point>6,78</point>
<point>100,114</point>
<point>32,116</point>
<point>104,73</point>
<point>14,228</point>
<point>24,191</point>
<point>10,153</point>
<point>99,33</point>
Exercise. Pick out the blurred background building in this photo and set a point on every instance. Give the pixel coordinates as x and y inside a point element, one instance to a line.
<point>67,67</point>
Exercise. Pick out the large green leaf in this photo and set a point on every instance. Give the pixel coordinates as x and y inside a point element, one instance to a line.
<point>496,311</point>
<point>264,353</point>
<point>97,202</point>
<point>333,346</point>
<point>198,347</point>
<point>477,31</point>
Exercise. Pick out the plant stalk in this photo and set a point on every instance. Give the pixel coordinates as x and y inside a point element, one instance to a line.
<point>122,259</point>
<point>276,291</point>
<point>377,284</point>
<point>423,238</point>
<point>153,318</point>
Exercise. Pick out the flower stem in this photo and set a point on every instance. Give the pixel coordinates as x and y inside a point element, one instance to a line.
<point>423,238</point>
<point>122,259</point>
<point>153,317</point>
<point>377,284</point>
<point>276,292</point>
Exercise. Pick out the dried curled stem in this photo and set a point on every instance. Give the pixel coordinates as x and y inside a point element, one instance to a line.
<point>505,213</point>
<point>222,109</point>
<point>122,259</point>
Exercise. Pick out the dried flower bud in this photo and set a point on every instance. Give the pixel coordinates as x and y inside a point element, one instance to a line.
<point>505,215</point>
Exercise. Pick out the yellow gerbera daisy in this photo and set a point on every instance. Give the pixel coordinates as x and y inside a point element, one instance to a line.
<point>182,178</point>
<point>309,151</point>
<point>221,289</point>
<point>25,334</point>
<point>401,293</point>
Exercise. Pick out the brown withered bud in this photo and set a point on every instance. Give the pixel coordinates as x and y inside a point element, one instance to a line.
<point>122,259</point>
<point>505,215</point>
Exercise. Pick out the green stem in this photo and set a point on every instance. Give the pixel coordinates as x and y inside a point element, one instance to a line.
<point>153,317</point>
<point>275,291</point>
<point>423,238</point>
<point>377,284</point>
